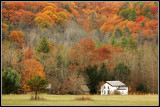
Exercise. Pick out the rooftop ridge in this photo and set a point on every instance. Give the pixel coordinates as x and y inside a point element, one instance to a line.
<point>116,83</point>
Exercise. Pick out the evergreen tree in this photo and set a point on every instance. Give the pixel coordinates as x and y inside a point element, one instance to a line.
<point>124,13</point>
<point>126,31</point>
<point>143,23</point>
<point>92,73</point>
<point>132,15</point>
<point>124,42</point>
<point>67,8</point>
<point>37,84</point>
<point>96,75</point>
<point>103,73</point>
<point>118,33</point>
<point>141,5</point>
<point>146,10</point>
<point>149,15</point>
<point>114,42</point>
<point>132,44</point>
<point>121,72</point>
<point>43,45</point>
<point>10,81</point>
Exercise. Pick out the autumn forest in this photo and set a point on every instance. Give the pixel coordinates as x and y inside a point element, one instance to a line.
<point>75,43</point>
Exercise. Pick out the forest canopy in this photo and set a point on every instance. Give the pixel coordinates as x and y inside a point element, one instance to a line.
<point>72,43</point>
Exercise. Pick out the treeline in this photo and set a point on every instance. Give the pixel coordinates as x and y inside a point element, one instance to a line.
<point>76,43</point>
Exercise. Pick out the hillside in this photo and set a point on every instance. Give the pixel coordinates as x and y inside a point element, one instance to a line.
<point>74,43</point>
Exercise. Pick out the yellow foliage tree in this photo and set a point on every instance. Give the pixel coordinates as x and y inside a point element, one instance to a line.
<point>40,21</point>
<point>62,17</point>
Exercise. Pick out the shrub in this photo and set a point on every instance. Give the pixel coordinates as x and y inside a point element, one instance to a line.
<point>116,92</point>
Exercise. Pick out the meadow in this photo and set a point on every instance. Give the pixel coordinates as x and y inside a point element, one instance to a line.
<point>71,100</point>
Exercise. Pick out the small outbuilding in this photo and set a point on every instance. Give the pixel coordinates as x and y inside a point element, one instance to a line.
<point>110,87</point>
<point>85,89</point>
<point>49,88</point>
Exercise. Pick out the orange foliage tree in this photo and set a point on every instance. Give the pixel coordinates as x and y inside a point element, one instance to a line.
<point>29,67</point>
<point>15,16</point>
<point>15,5</point>
<point>36,7</point>
<point>5,31</point>
<point>18,37</point>
<point>6,14</point>
<point>110,24</point>
<point>4,27</point>
<point>51,45</point>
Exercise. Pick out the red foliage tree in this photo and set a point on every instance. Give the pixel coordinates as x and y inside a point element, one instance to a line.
<point>85,53</point>
<point>29,55</point>
<point>139,19</point>
<point>154,10</point>
<point>27,17</point>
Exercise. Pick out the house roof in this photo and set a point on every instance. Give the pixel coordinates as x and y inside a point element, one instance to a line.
<point>115,83</point>
<point>85,88</point>
<point>121,88</point>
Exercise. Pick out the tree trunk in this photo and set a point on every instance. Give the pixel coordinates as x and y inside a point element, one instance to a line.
<point>36,95</point>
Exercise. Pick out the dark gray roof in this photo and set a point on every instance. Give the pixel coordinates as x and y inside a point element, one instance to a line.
<point>115,83</point>
<point>121,88</point>
<point>85,88</point>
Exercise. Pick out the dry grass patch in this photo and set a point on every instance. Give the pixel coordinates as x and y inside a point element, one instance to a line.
<point>84,98</point>
<point>38,98</point>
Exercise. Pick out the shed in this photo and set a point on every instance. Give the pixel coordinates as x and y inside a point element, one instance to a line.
<point>49,88</point>
<point>85,89</point>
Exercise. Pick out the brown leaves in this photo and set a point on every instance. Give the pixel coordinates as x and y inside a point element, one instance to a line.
<point>85,53</point>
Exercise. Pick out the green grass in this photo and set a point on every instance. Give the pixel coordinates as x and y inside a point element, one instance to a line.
<point>70,100</point>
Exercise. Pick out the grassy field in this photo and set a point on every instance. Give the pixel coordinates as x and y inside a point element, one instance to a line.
<point>70,100</point>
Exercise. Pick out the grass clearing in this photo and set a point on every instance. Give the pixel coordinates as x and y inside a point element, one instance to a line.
<point>70,100</point>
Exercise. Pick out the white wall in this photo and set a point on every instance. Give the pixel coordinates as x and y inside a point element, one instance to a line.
<point>105,90</point>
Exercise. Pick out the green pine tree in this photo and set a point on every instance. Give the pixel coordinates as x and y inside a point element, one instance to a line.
<point>103,73</point>
<point>124,42</point>
<point>43,45</point>
<point>132,15</point>
<point>37,84</point>
<point>118,33</point>
<point>10,81</point>
<point>132,44</point>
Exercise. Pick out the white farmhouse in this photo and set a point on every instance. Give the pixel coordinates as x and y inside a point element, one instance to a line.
<point>109,87</point>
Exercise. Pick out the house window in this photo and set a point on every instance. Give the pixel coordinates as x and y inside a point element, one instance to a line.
<point>104,87</point>
<point>108,87</point>
<point>122,92</point>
